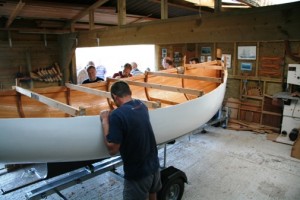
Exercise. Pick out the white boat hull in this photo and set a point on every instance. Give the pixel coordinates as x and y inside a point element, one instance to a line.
<point>39,140</point>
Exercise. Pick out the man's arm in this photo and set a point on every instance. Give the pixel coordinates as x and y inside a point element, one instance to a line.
<point>113,148</point>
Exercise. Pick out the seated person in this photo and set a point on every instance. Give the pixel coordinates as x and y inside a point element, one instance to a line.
<point>194,60</point>
<point>125,73</point>
<point>167,63</point>
<point>101,71</point>
<point>135,71</point>
<point>91,70</point>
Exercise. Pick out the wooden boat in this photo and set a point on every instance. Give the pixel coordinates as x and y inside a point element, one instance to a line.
<point>61,124</point>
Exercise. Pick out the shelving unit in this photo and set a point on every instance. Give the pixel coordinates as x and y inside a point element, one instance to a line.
<point>259,83</point>
<point>265,76</point>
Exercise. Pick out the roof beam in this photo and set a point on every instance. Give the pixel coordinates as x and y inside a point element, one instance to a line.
<point>164,9</point>
<point>218,6</point>
<point>37,30</point>
<point>91,20</point>
<point>121,12</point>
<point>87,11</point>
<point>14,13</point>
<point>251,3</point>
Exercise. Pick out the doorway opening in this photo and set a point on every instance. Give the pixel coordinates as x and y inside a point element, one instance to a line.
<point>113,58</point>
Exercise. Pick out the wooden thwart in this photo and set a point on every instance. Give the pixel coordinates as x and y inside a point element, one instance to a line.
<point>89,90</point>
<point>51,102</point>
<point>183,76</point>
<point>163,101</point>
<point>164,87</point>
<point>150,104</point>
<point>200,65</point>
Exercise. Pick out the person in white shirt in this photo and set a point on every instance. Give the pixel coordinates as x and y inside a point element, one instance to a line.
<point>101,71</point>
<point>135,71</point>
<point>167,63</point>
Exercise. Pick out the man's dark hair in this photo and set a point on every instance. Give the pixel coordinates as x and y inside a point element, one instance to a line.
<point>120,89</point>
<point>127,65</point>
<point>90,67</point>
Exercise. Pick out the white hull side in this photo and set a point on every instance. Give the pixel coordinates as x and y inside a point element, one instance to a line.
<point>36,140</point>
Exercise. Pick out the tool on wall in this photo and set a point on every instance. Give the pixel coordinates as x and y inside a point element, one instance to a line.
<point>255,91</point>
<point>98,42</point>
<point>9,39</point>
<point>45,40</point>
<point>244,89</point>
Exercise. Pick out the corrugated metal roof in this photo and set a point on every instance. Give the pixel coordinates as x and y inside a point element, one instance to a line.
<point>52,14</point>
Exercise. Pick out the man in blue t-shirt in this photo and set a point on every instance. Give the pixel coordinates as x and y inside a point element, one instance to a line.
<point>128,130</point>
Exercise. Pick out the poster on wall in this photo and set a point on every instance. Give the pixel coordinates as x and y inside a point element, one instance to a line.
<point>164,52</point>
<point>226,59</point>
<point>205,51</point>
<point>208,58</point>
<point>246,66</point>
<point>202,59</point>
<point>247,52</point>
<point>177,57</point>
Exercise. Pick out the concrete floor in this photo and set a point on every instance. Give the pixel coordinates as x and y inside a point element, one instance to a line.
<point>221,164</point>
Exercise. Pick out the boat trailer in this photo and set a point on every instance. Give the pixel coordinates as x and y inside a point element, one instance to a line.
<point>172,178</point>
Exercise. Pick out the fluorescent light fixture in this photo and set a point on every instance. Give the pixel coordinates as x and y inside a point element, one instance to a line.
<point>208,3</point>
<point>237,4</point>
<point>273,2</point>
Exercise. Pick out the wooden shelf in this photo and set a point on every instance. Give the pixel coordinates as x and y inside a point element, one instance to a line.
<point>247,109</point>
<point>275,80</point>
<point>271,113</point>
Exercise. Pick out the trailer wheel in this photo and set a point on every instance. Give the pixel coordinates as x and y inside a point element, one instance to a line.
<point>172,190</point>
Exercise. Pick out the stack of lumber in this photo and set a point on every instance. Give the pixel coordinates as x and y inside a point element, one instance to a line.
<point>248,126</point>
<point>47,74</point>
